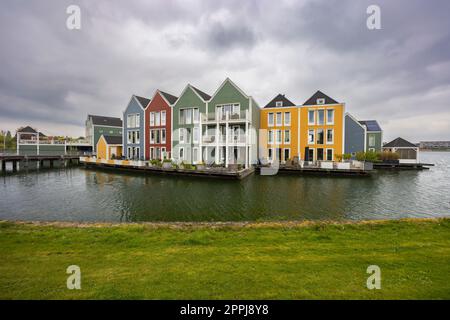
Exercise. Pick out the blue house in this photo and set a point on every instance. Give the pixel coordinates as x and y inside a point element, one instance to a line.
<point>133,128</point>
<point>364,135</point>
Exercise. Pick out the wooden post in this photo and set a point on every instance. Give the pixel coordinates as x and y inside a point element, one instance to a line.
<point>14,166</point>
<point>51,163</point>
<point>3,165</point>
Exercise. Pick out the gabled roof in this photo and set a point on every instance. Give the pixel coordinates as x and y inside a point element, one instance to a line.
<point>371,125</point>
<point>143,101</point>
<point>319,95</point>
<point>228,80</point>
<point>399,143</point>
<point>29,129</point>
<point>170,98</point>
<point>105,121</point>
<point>113,139</point>
<point>204,96</point>
<point>281,97</point>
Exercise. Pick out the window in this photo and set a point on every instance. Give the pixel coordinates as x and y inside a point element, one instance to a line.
<point>157,137</point>
<point>320,117</point>
<point>138,120</point>
<point>311,116</point>
<point>181,153</point>
<point>287,118</point>
<point>157,119</point>
<point>130,138</point>
<point>196,115</point>
<point>320,154</point>
<point>152,153</point>
<point>181,116</point>
<point>270,120</point>
<point>287,136</point>
<point>279,103</point>
<point>163,135</point>
<point>188,116</point>
<point>270,136</point>
<point>310,155</point>
<point>152,136</point>
<point>270,154</point>
<point>163,118</point>
<point>138,138</point>
<point>163,153</point>
<point>371,141</point>
<point>279,123</point>
<point>287,154</point>
<point>195,154</point>
<point>330,116</point>
<point>320,101</point>
<point>330,136</point>
<point>196,137</point>
<point>130,120</point>
<point>330,154</point>
<point>319,137</point>
<point>181,133</point>
<point>311,136</point>
<point>278,137</point>
<point>129,152</point>
<point>152,119</point>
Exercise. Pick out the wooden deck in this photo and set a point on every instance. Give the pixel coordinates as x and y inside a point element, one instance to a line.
<point>402,166</point>
<point>321,171</point>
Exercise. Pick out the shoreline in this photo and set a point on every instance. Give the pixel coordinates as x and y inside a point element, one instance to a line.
<point>216,224</point>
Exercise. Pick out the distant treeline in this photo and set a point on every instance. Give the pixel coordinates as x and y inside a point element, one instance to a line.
<point>7,140</point>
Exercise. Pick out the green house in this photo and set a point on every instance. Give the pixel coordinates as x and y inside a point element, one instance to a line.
<point>98,125</point>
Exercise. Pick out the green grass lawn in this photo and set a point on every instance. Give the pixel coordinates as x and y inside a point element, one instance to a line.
<point>260,261</point>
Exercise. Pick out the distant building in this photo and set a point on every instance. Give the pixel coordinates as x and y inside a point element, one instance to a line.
<point>29,133</point>
<point>407,151</point>
<point>98,125</point>
<point>109,147</point>
<point>434,145</point>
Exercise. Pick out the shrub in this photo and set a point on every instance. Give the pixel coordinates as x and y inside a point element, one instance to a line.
<point>347,156</point>
<point>338,157</point>
<point>361,156</point>
<point>388,155</point>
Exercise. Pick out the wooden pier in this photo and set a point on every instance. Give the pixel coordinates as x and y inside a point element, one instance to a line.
<point>25,160</point>
<point>402,166</point>
<point>317,171</point>
<point>144,167</point>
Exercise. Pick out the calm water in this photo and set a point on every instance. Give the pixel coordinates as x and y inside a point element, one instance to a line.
<point>78,194</point>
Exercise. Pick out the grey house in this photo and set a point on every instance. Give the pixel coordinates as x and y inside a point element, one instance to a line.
<point>364,135</point>
<point>133,128</point>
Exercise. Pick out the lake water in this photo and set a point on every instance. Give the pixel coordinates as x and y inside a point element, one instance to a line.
<point>79,194</point>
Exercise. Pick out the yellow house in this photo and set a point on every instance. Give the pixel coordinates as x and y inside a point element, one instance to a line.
<point>280,137</point>
<point>321,128</point>
<point>109,147</point>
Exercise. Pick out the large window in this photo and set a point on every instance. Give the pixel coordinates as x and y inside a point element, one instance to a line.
<point>330,154</point>
<point>311,136</point>
<point>182,134</point>
<point>278,137</point>
<point>310,154</point>
<point>320,136</point>
<point>270,120</point>
<point>196,115</point>
<point>195,154</point>
<point>163,118</point>
<point>196,135</point>
<point>287,154</point>
<point>279,120</point>
<point>311,116</point>
<point>330,136</point>
<point>320,117</point>
<point>371,141</point>
<point>319,154</point>
<point>181,118</point>
<point>330,116</point>
<point>270,136</point>
<point>157,119</point>
<point>287,118</point>
<point>287,136</point>
<point>188,116</point>
<point>152,136</point>
<point>152,119</point>
<point>138,120</point>
<point>181,153</point>
<point>163,135</point>
<point>133,120</point>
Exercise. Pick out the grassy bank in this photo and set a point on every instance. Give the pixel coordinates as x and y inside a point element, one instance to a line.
<point>261,261</point>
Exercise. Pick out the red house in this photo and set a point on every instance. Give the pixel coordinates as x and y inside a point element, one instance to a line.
<point>158,126</point>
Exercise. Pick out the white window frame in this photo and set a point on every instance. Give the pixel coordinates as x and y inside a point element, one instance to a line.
<point>188,115</point>
<point>280,123</point>
<point>318,117</point>
<point>332,154</point>
<point>152,136</point>
<point>181,151</point>
<point>163,118</point>
<point>287,123</point>
<point>138,120</point>
<point>278,136</point>
<point>284,153</point>
<point>288,141</point>
<point>317,136</point>
<point>332,135</point>
<point>268,119</point>
<point>163,153</point>
<point>195,155</point>
<point>152,153</point>
<point>181,134</point>
<point>195,135</point>
<point>181,119</point>
<point>152,119</point>
<point>137,136</point>
<point>129,137</point>
<point>279,103</point>
<point>314,117</point>
<point>196,115</point>
<point>320,101</point>
<point>157,119</point>
<point>313,137</point>
<point>270,138</point>
<point>371,137</point>
<point>333,112</point>
<point>163,140</point>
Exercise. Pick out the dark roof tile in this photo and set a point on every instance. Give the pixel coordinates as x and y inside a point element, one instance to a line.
<point>105,121</point>
<point>371,125</point>
<point>113,139</point>
<point>319,95</point>
<point>204,96</point>
<point>281,97</point>
<point>143,101</point>
<point>170,98</point>
<point>399,143</point>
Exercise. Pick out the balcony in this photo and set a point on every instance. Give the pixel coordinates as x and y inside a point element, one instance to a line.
<point>240,116</point>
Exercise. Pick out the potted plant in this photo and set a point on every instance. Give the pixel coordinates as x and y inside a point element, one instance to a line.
<point>167,164</point>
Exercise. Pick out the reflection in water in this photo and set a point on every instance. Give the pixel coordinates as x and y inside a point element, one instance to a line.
<point>77,194</point>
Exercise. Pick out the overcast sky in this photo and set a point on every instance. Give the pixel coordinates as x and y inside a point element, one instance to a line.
<point>52,77</point>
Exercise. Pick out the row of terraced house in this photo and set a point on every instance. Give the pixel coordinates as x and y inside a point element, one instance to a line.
<point>229,127</point>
